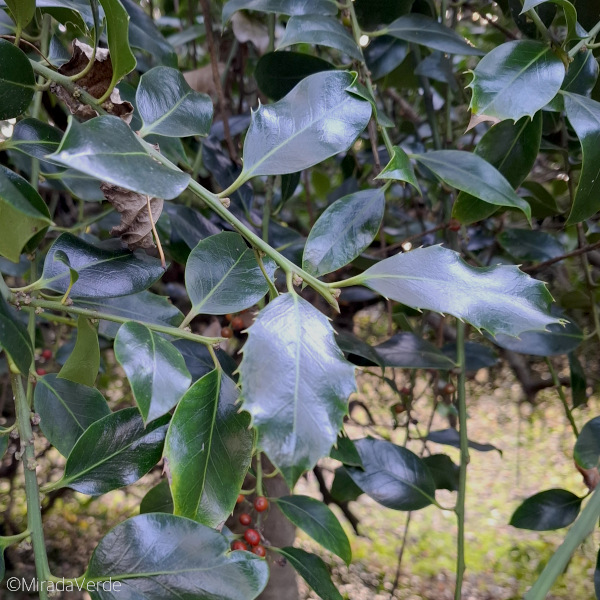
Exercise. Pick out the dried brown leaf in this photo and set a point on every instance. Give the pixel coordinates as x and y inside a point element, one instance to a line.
<point>135,228</point>
<point>591,477</point>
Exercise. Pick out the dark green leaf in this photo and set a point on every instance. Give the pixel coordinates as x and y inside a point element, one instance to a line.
<point>569,9</point>
<point>199,361</point>
<point>154,367</point>
<point>158,500</point>
<point>444,471</point>
<point>316,520</point>
<point>587,447</point>
<point>286,7</point>
<point>107,149</point>
<point>420,29</point>
<point>313,570</point>
<point>393,475</point>
<point>222,275</point>
<point>343,488</point>
<point>194,562</point>
<point>542,202</point>
<point>345,451</point>
<point>578,381</point>
<point>343,231</point>
<point>319,30</point>
<point>277,73</point>
<point>524,244</point>
<point>66,410</point>
<point>117,30</point>
<point>451,437</point>
<point>584,115</point>
<point>580,79</point>
<point>512,70</point>
<point>400,169</point>
<point>477,356</point>
<point>305,127</point>
<point>384,54</point>
<point>102,273</point>
<point>189,225</point>
<point>23,214</point>
<point>34,138</point>
<point>77,13</point>
<point>84,362</point>
<point>22,11</point>
<point>113,452</point>
<point>170,107</point>
<point>409,351</point>
<point>545,511</point>
<point>499,299</point>
<point>14,339</point>
<point>4,439</point>
<point>145,307</point>
<point>510,147</point>
<point>208,448</point>
<point>17,82</point>
<point>358,352</point>
<point>472,174</point>
<point>295,384</point>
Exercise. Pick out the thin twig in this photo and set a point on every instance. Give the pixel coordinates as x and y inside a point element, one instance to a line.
<point>547,263</point>
<point>163,262</point>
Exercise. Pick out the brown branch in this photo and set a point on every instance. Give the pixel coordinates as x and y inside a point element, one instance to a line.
<point>328,499</point>
<point>411,238</point>
<point>547,263</point>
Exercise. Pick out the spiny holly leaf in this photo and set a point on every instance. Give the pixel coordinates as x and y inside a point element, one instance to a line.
<point>208,448</point>
<point>511,71</point>
<point>295,384</point>
<point>193,562</point>
<point>499,299</point>
<point>305,127</point>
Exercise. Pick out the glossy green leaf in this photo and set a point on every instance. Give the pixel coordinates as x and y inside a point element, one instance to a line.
<point>384,54</point>
<point>316,520</point>
<point>200,362</point>
<point>472,174</point>
<point>584,115</point>
<point>423,30</point>
<point>145,307</point>
<point>578,381</point>
<point>409,351</point>
<point>154,367</point>
<point>107,149</point>
<point>84,362</point>
<point>158,500</point>
<point>343,488</point>
<point>400,169</point>
<point>117,31</point>
<point>277,73</point>
<point>34,138</point>
<point>477,356</point>
<point>295,384</point>
<point>511,71</point>
<point>113,452</point>
<point>66,410</point>
<point>343,231</point>
<point>102,273</point>
<point>444,471</point>
<point>4,439</point>
<point>23,214</point>
<point>22,11</point>
<point>14,339</point>
<point>170,107</point>
<point>587,447</point>
<point>393,475</point>
<point>322,31</point>
<point>17,81</point>
<point>313,570</point>
<point>358,352</point>
<point>580,79</point>
<point>76,13</point>
<point>568,8</point>
<point>525,244</point>
<point>510,147</point>
<point>345,451</point>
<point>194,562</point>
<point>316,120</point>
<point>499,299</point>
<point>546,511</point>
<point>451,437</point>
<point>222,275</point>
<point>208,449</point>
<point>285,7</point>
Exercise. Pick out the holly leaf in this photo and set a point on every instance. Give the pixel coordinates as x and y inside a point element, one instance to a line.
<point>295,384</point>
<point>499,299</point>
<point>285,7</point>
<point>546,511</point>
<point>22,11</point>
<point>17,81</point>
<point>14,339</point>
<point>400,169</point>
<point>83,364</point>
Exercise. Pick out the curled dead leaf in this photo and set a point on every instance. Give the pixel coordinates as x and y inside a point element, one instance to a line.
<point>135,228</point>
<point>591,477</point>
<point>95,83</point>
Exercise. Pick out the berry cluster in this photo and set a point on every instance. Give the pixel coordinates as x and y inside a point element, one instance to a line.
<point>46,355</point>
<point>236,323</point>
<point>251,536</point>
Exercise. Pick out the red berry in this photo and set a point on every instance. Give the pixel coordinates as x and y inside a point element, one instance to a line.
<point>259,551</point>
<point>261,504</point>
<point>245,519</point>
<point>252,537</point>
<point>229,317</point>
<point>237,323</point>
<point>240,499</point>
<point>405,391</point>
<point>239,545</point>
<point>47,354</point>
<point>41,371</point>
<point>226,332</point>
<point>454,225</point>
<point>449,389</point>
